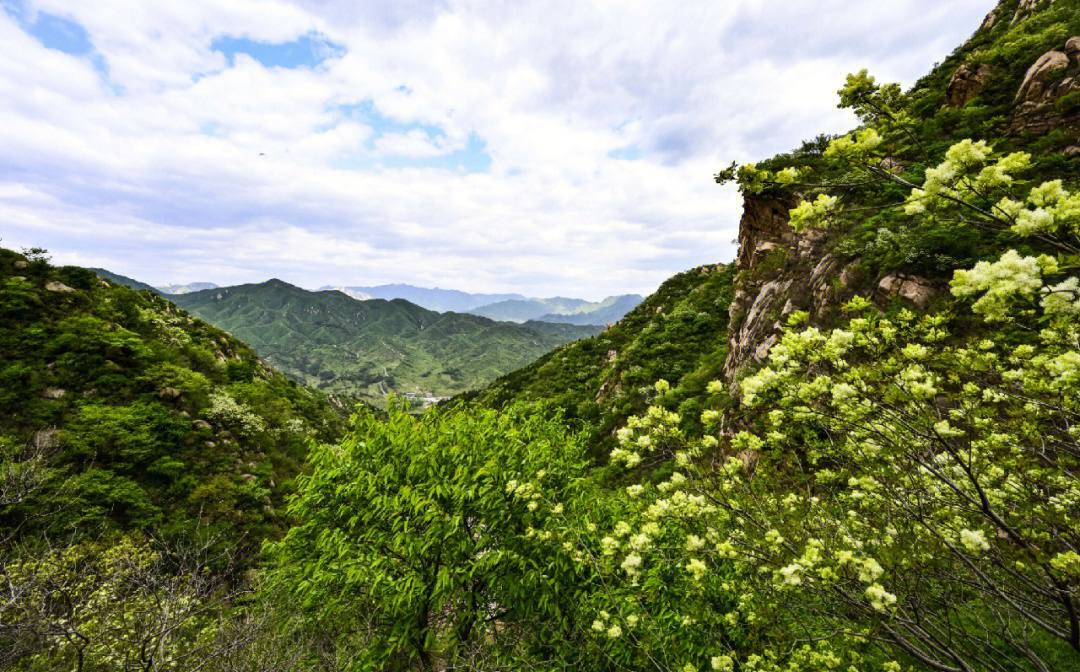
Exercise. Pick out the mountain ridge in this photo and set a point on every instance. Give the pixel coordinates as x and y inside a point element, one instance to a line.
<point>373,347</point>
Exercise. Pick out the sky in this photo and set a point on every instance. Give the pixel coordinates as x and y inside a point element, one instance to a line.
<point>545,148</point>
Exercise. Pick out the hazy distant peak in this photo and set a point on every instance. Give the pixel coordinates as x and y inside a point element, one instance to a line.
<point>185,289</point>
<point>349,291</point>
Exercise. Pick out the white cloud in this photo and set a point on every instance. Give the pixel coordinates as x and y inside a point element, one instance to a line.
<point>197,170</point>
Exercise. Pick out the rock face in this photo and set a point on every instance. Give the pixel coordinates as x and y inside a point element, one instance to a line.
<point>919,291</point>
<point>779,272</point>
<point>966,83</point>
<point>1054,75</point>
<point>55,286</point>
<point>1027,8</point>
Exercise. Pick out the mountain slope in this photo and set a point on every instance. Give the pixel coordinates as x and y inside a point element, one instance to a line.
<point>144,417</point>
<point>607,311</point>
<point>679,333</point>
<point>118,279</point>
<point>371,348</point>
<point>432,298</point>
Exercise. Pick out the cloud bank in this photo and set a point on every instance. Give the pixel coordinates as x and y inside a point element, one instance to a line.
<point>536,147</point>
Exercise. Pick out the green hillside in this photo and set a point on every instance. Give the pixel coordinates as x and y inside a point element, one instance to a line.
<point>371,348</point>
<point>679,334</point>
<point>125,413</point>
<point>118,279</point>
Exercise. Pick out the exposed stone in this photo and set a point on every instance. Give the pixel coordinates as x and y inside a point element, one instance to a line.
<point>966,83</point>
<point>821,281</point>
<point>201,424</point>
<point>991,19</point>
<point>1072,47</point>
<point>21,263</point>
<point>762,251</point>
<point>1038,75</point>
<point>45,439</point>
<point>762,300</point>
<point>612,355</point>
<point>1027,7</point>
<point>56,286</point>
<point>918,291</point>
<point>54,393</point>
<point>168,394</point>
<point>762,350</point>
<point>1071,151</point>
<point>1046,81</point>
<point>849,275</point>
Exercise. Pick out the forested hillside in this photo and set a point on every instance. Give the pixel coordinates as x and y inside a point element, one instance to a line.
<point>373,348</point>
<point>678,334</point>
<point>132,415</point>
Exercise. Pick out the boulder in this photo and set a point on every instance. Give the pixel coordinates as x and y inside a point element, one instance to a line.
<point>201,424</point>
<point>56,286</point>
<point>168,394</point>
<point>1072,47</point>
<point>1071,151</point>
<point>966,83</point>
<point>21,263</point>
<point>1038,75</point>
<point>54,393</point>
<point>918,291</point>
<point>1045,82</point>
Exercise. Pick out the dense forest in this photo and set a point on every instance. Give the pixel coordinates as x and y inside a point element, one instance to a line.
<point>855,448</point>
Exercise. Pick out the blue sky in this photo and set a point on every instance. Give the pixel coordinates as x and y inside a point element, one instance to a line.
<point>546,148</point>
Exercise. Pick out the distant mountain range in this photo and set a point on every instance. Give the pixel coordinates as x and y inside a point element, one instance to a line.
<point>369,348</point>
<point>502,307</point>
<point>498,307</point>
<point>439,300</point>
<point>561,309</point>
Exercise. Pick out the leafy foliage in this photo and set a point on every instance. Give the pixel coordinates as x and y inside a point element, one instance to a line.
<point>433,531</point>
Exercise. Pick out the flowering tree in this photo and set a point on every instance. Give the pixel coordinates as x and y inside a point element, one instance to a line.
<point>906,487</point>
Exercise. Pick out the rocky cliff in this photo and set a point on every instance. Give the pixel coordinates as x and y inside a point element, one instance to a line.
<point>1035,93</point>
